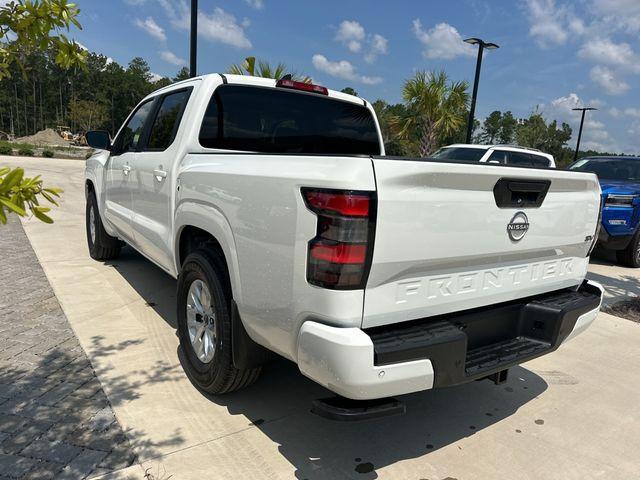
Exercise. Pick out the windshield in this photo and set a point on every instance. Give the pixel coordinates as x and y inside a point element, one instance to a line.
<point>460,154</point>
<point>610,169</point>
<point>276,120</point>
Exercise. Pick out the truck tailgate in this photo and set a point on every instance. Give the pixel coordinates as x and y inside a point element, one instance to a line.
<point>443,243</point>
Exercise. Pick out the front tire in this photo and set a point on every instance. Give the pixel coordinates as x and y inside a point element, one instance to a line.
<point>204,325</point>
<point>102,246</point>
<point>630,256</point>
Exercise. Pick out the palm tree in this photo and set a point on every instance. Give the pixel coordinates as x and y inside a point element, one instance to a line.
<point>263,69</point>
<point>435,108</point>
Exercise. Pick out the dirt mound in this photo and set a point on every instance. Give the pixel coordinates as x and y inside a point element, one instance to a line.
<point>44,137</point>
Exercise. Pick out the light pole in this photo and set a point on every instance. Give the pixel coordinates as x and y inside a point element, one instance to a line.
<point>481,46</point>
<point>194,39</point>
<point>583,110</point>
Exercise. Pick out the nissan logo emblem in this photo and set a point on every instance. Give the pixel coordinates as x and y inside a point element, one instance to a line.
<point>518,226</point>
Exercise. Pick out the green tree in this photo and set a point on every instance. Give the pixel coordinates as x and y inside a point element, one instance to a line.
<point>491,127</point>
<point>262,68</point>
<point>183,74</point>
<point>27,26</point>
<point>534,132</point>
<point>88,115</point>
<point>435,109</point>
<point>508,126</point>
<point>349,91</point>
<point>19,194</point>
<point>386,113</point>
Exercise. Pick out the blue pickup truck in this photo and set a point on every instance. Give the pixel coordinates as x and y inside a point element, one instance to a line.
<point>620,182</point>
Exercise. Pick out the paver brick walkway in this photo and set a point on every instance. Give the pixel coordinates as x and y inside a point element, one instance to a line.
<point>55,419</point>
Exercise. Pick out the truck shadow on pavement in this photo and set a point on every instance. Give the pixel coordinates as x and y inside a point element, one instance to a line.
<point>619,286</point>
<point>279,406</point>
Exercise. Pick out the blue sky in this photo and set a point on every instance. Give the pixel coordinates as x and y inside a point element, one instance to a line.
<point>554,54</point>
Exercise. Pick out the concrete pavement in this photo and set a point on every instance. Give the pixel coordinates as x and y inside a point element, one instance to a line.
<point>572,414</point>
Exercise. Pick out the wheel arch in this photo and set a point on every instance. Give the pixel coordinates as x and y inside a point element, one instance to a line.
<point>196,224</point>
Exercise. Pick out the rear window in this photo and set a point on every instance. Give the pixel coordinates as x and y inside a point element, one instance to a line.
<point>269,120</point>
<point>167,120</point>
<point>460,154</point>
<point>610,168</point>
<point>528,160</point>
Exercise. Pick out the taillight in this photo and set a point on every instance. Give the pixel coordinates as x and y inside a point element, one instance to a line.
<point>305,87</point>
<point>339,255</point>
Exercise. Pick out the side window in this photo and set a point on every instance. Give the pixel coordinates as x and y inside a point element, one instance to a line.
<point>165,125</point>
<point>132,131</point>
<point>519,159</point>
<point>499,156</point>
<point>209,130</point>
<point>539,161</point>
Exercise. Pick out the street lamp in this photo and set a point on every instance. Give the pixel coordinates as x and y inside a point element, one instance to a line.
<point>481,46</point>
<point>583,110</point>
<point>194,39</point>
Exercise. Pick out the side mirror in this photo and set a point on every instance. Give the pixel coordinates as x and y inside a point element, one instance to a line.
<point>99,139</point>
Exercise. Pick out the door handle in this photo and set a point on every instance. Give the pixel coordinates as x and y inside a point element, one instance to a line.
<point>160,174</point>
<point>126,169</point>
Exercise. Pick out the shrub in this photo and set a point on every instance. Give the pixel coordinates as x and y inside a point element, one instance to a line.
<point>5,149</point>
<point>47,153</point>
<point>26,152</point>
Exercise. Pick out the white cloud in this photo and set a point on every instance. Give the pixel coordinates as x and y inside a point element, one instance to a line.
<point>378,46</point>
<point>152,28</point>
<point>155,77</point>
<point>604,51</point>
<point>257,4</point>
<point>172,58</point>
<point>351,34</point>
<point>223,27</point>
<point>218,26</point>
<point>546,22</point>
<point>355,38</point>
<point>607,79</point>
<point>178,12</point>
<point>621,13</point>
<point>561,109</point>
<point>442,41</point>
<point>342,69</point>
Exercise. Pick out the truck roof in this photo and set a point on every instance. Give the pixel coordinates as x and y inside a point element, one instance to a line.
<point>256,81</point>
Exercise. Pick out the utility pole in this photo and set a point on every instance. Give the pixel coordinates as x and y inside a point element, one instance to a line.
<point>194,39</point>
<point>583,110</point>
<point>481,46</point>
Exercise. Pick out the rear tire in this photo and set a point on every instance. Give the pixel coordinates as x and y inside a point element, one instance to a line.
<point>630,256</point>
<point>204,325</point>
<point>102,246</point>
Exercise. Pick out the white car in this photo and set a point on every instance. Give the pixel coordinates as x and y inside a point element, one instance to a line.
<point>502,154</point>
<point>289,231</point>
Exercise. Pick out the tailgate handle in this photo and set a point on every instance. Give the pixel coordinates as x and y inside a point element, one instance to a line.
<point>520,193</point>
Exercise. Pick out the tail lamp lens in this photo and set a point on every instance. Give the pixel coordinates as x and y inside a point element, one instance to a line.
<point>339,255</point>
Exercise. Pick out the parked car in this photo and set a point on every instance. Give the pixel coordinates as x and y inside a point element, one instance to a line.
<point>290,231</point>
<point>620,183</point>
<point>503,154</point>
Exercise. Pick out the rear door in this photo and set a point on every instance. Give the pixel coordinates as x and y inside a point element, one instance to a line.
<point>446,242</point>
<point>152,205</point>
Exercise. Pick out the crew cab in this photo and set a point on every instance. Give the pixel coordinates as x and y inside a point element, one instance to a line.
<point>291,233</point>
<point>620,183</point>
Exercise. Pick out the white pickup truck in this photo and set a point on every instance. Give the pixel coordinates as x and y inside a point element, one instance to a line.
<point>290,231</point>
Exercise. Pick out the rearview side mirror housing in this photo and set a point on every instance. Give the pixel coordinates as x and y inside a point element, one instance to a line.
<point>99,139</point>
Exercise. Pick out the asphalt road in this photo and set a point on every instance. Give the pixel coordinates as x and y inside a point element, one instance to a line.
<point>573,414</point>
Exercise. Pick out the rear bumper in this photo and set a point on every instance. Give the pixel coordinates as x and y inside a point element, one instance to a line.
<point>445,350</point>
